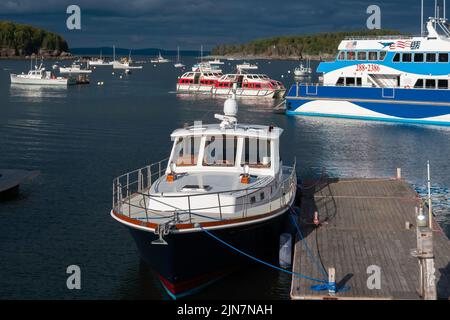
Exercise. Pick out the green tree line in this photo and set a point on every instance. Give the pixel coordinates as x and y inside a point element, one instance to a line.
<point>295,46</point>
<point>26,40</point>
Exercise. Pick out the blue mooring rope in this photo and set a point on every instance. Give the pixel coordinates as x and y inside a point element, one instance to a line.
<point>329,286</point>
<point>324,286</point>
<point>261,261</point>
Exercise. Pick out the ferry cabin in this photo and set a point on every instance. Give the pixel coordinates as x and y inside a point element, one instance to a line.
<point>252,85</point>
<point>198,81</point>
<point>392,78</point>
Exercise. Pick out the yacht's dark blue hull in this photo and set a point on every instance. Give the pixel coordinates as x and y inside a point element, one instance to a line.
<point>193,260</point>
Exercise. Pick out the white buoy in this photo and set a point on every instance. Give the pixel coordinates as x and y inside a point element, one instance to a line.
<point>113,73</point>
<point>285,254</point>
<point>289,71</point>
<point>282,75</point>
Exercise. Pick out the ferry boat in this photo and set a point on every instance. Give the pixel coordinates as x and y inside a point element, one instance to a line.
<point>39,76</point>
<point>159,59</point>
<point>201,79</point>
<point>74,69</point>
<point>225,180</point>
<point>392,78</point>
<point>249,85</point>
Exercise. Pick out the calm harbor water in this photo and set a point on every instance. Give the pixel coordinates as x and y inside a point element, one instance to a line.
<point>81,137</point>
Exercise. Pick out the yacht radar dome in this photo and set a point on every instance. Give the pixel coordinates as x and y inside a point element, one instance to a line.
<point>230,110</point>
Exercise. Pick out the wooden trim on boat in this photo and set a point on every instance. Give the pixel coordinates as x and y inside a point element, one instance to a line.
<point>204,224</point>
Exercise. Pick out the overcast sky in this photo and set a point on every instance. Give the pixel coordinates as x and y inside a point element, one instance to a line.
<point>190,23</point>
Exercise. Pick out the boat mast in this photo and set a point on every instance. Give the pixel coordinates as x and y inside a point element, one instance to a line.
<point>421,18</point>
<point>114,53</point>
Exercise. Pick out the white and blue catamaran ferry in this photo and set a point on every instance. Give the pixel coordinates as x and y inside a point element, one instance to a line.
<point>394,78</point>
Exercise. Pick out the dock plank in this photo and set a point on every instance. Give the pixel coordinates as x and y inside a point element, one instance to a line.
<point>363,224</point>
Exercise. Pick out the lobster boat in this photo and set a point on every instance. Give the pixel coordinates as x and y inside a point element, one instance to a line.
<point>223,181</point>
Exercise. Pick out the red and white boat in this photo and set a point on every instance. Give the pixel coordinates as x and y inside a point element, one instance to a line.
<point>199,80</point>
<point>249,85</point>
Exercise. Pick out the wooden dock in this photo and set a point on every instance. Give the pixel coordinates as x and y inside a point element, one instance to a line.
<point>364,223</point>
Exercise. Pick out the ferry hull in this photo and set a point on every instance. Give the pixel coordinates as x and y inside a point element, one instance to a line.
<point>394,105</point>
<point>193,260</point>
<point>227,92</point>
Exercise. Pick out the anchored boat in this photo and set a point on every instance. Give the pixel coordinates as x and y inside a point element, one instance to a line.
<point>225,180</point>
<point>249,85</point>
<point>160,59</point>
<point>201,79</point>
<point>393,78</point>
<point>75,68</point>
<point>39,76</point>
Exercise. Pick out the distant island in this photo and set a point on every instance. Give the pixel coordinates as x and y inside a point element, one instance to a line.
<point>318,46</point>
<point>19,41</point>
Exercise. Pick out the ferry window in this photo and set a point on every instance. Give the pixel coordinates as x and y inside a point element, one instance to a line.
<point>407,57</point>
<point>396,57</point>
<point>341,55</point>
<point>418,57</point>
<point>443,57</point>
<point>419,84</point>
<point>256,153</point>
<point>350,82</point>
<point>442,84</point>
<point>431,57</point>
<point>373,55</point>
<point>362,55</point>
<point>382,55</point>
<point>340,81</point>
<point>220,151</point>
<point>351,55</point>
<point>258,85</point>
<point>186,151</point>
<point>430,84</point>
<point>359,82</point>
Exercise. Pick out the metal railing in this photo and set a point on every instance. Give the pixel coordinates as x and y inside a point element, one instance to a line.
<point>132,191</point>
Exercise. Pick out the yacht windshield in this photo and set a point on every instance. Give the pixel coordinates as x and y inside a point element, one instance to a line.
<point>220,151</point>
<point>186,151</point>
<point>257,153</point>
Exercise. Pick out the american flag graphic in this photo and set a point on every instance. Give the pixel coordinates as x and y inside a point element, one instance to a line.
<point>401,45</point>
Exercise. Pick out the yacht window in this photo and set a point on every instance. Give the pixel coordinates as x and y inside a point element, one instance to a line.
<point>382,55</point>
<point>407,57</point>
<point>396,57</point>
<point>351,55</point>
<point>418,57</point>
<point>362,55</point>
<point>340,81</point>
<point>350,82</point>
<point>341,55</point>
<point>419,84</point>
<point>373,55</point>
<point>256,153</point>
<point>186,151</point>
<point>431,57</point>
<point>430,84</point>
<point>220,151</point>
<point>442,84</point>
<point>443,57</point>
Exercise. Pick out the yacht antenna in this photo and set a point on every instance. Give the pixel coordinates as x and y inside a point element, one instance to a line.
<point>444,14</point>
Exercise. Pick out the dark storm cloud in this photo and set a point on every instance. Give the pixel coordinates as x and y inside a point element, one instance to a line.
<point>189,23</point>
